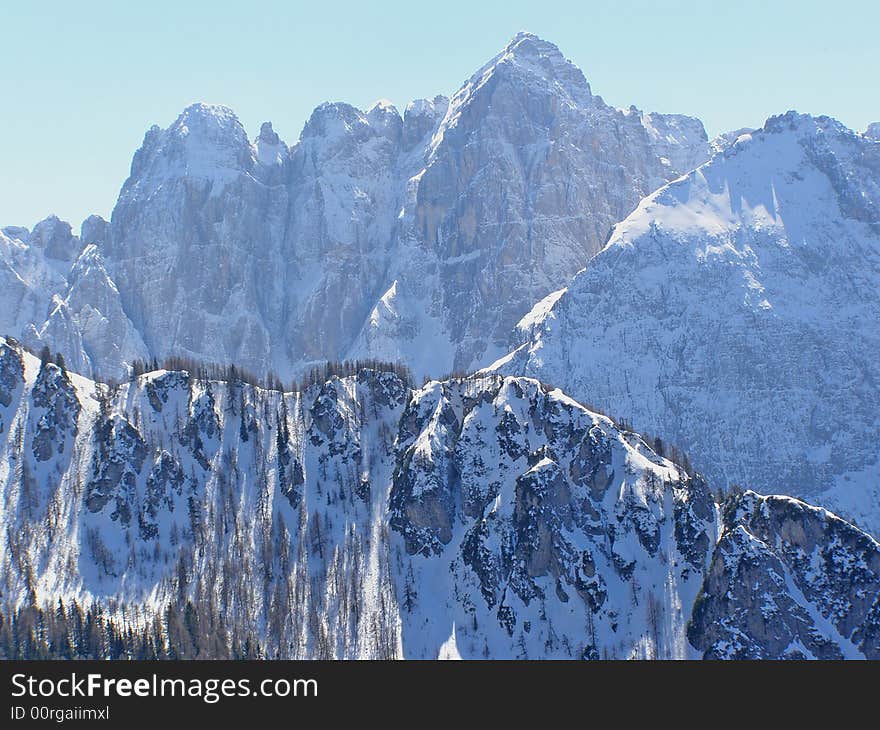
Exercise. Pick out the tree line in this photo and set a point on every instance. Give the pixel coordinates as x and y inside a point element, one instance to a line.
<point>230,374</point>
<point>181,631</point>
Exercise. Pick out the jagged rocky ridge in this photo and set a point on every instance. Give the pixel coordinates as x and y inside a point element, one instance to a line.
<point>734,312</point>
<point>420,238</point>
<point>363,517</point>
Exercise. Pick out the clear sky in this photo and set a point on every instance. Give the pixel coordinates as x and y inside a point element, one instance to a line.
<point>82,81</point>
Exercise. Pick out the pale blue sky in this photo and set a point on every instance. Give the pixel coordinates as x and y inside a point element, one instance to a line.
<point>81,82</point>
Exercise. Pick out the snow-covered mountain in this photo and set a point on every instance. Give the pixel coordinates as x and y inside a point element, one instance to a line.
<point>721,297</point>
<point>55,289</point>
<point>362,517</point>
<point>734,313</point>
<point>421,238</point>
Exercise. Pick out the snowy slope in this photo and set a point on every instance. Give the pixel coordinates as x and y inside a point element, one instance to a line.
<point>480,517</point>
<point>734,313</point>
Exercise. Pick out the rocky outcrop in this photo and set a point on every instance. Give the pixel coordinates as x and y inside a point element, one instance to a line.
<point>55,414</point>
<point>11,379</point>
<point>788,580</point>
<point>524,501</point>
<point>117,461</point>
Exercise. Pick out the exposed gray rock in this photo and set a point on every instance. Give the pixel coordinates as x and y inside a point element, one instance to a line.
<point>119,455</point>
<point>11,378</point>
<point>165,481</point>
<point>788,580</point>
<point>11,373</point>
<point>55,238</point>
<point>56,410</point>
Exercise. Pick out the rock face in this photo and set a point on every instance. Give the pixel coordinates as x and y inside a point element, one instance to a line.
<point>788,580</point>
<point>518,187</point>
<point>195,240</point>
<point>729,314</point>
<point>421,238</point>
<point>362,517</point>
<point>524,504</point>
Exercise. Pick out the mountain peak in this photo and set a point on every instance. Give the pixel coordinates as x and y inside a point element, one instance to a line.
<point>270,149</point>
<point>203,111</point>
<point>382,106</point>
<point>527,44</point>
<point>94,229</point>
<point>332,118</point>
<point>267,134</point>
<point>536,59</point>
<point>206,141</point>
<point>526,63</point>
<point>758,240</point>
<point>800,123</point>
<point>55,237</point>
<point>873,131</point>
<point>211,123</point>
<point>385,118</point>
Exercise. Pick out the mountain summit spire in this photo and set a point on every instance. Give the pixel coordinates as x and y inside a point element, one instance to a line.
<point>530,59</point>
<point>526,43</point>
